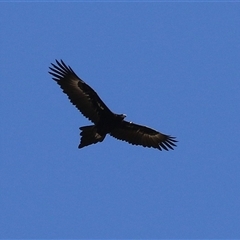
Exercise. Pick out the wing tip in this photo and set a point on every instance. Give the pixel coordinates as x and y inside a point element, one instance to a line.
<point>168,144</point>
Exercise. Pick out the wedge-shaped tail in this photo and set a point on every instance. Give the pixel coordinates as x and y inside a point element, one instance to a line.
<point>89,136</point>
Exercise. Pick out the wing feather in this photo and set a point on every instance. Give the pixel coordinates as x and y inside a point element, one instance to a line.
<point>142,135</point>
<point>79,93</point>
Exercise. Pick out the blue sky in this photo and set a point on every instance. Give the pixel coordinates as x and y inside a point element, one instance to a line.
<point>171,66</point>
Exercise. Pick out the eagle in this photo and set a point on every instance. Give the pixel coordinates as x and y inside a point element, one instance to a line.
<point>104,120</point>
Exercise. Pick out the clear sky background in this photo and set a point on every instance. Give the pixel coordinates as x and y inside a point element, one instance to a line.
<point>171,66</point>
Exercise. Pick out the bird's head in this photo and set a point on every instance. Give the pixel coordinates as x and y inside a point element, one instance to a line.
<point>121,116</point>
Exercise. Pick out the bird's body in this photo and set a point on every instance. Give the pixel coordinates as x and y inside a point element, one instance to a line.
<point>105,121</point>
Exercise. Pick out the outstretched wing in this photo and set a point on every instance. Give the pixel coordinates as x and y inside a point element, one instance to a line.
<point>141,135</point>
<point>80,94</point>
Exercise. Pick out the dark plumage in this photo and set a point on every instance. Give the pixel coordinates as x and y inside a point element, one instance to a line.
<point>105,121</point>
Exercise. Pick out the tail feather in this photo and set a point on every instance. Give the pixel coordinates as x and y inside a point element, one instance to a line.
<point>89,136</point>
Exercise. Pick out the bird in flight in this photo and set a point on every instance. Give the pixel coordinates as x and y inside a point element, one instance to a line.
<point>104,120</point>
